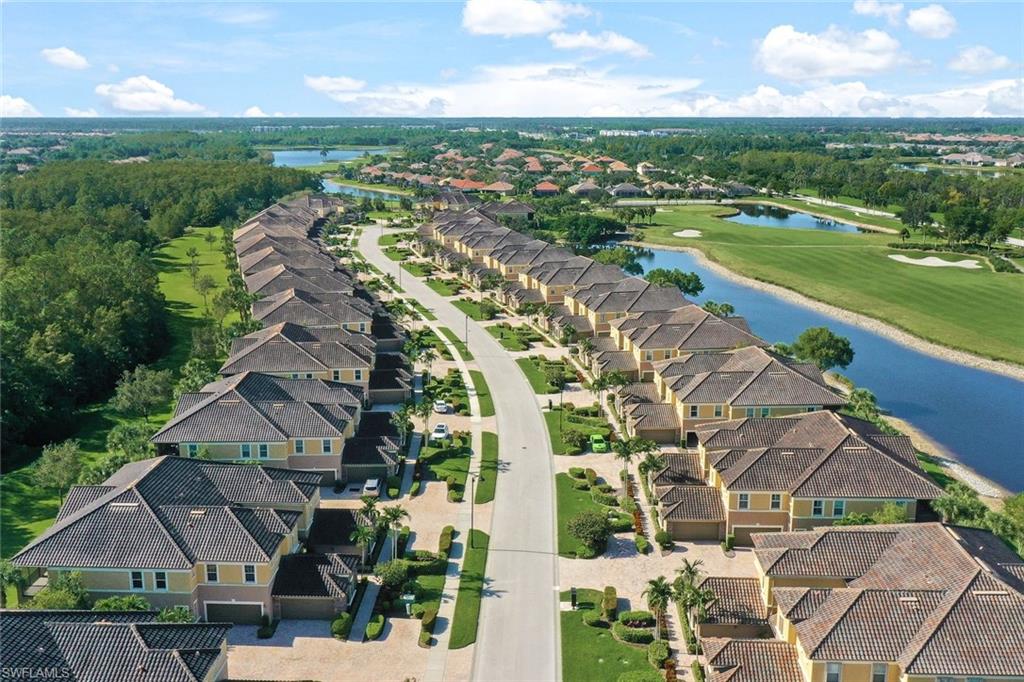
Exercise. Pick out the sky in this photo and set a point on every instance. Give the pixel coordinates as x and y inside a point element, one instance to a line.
<point>513,58</point>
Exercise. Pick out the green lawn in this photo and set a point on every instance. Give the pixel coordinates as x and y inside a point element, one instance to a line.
<point>471,585</point>
<point>591,654</point>
<point>515,338</point>
<point>393,238</point>
<point>975,310</point>
<point>588,425</point>
<point>469,307</point>
<point>444,287</point>
<point>422,310</point>
<point>431,588</point>
<point>451,460</point>
<point>418,269</point>
<point>852,201</point>
<point>488,479</point>
<point>483,393</point>
<point>457,342</point>
<point>534,371</point>
<point>571,502</point>
<point>397,254</point>
<point>27,510</point>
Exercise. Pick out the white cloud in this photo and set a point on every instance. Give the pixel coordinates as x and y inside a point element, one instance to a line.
<point>449,73</point>
<point>143,95</point>
<point>518,17</point>
<point>1005,99</point>
<point>892,11</point>
<point>254,112</point>
<point>606,41</point>
<point>718,42</point>
<point>333,85</point>
<point>794,55</point>
<point>64,57</point>
<point>978,59</point>
<point>16,106</point>
<point>933,21</point>
<point>238,15</point>
<point>80,113</point>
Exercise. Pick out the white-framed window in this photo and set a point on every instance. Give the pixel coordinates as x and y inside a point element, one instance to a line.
<point>336,375</point>
<point>693,410</point>
<point>649,355</point>
<point>326,444</point>
<point>212,575</point>
<point>839,508</point>
<point>766,411</point>
<point>250,573</point>
<point>776,501</point>
<point>136,581</point>
<point>362,326</point>
<point>295,375</point>
<point>264,450</point>
<point>750,411</point>
<point>818,509</point>
<point>159,580</point>
<point>245,450</point>
<point>833,672</point>
<point>880,672</point>
<point>810,408</point>
<point>744,501</point>
<point>718,410</point>
<point>309,375</point>
<point>300,446</point>
<point>192,449</point>
<point>358,374</point>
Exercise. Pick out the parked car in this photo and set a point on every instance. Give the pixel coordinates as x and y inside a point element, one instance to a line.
<point>441,432</point>
<point>598,443</point>
<point>371,488</point>
<point>441,407</point>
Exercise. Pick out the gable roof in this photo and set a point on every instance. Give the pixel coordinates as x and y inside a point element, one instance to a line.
<point>278,278</point>
<point>751,660</point>
<point>288,347</point>
<point>685,328</point>
<point>311,309</point>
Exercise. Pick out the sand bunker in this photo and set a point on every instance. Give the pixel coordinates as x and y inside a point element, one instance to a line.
<point>933,262</point>
<point>687,234</point>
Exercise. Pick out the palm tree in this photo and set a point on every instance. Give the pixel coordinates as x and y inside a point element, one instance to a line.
<point>659,594</point>
<point>629,448</point>
<point>600,384</point>
<point>363,536</point>
<point>700,600</point>
<point>392,518</point>
<point>369,509</point>
<point>623,451</point>
<point>686,579</point>
<point>424,409</point>
<point>427,356</point>
<point>650,463</point>
<point>400,420</point>
<point>584,347</point>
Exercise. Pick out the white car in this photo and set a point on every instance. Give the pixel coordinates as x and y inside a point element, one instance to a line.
<point>441,407</point>
<point>371,488</point>
<point>441,432</point>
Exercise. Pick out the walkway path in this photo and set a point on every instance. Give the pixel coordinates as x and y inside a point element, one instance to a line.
<point>518,636</point>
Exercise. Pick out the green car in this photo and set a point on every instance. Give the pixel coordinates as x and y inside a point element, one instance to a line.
<point>598,443</point>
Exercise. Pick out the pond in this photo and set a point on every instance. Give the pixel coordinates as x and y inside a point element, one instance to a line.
<point>762,215</point>
<point>976,414</point>
<point>359,192</point>
<point>311,157</point>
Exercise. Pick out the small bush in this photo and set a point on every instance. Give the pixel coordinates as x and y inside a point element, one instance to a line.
<point>602,498</point>
<point>417,610</point>
<point>586,552</point>
<point>632,635</point>
<point>592,617</point>
<point>425,639</point>
<point>342,625</point>
<point>664,539</point>
<point>393,574</point>
<point>728,542</point>
<point>697,670</point>
<point>429,619</point>
<point>444,544</point>
<point>266,629</point>
<point>580,485</point>
<point>621,524</point>
<point>572,451</point>
<point>455,496</point>
<point>604,487</point>
<point>627,503</point>
<point>591,476</point>
<point>642,544</point>
<point>394,482</point>
<point>375,627</point>
<point>414,489</point>
<point>637,619</point>
<point>451,482</point>
<point>657,652</point>
<point>609,603</point>
<point>576,472</point>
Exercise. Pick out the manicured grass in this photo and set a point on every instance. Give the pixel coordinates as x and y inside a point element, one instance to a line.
<point>515,338</point>
<point>483,393</point>
<point>471,308</point>
<point>587,425</point>
<point>471,585</point>
<point>851,201</point>
<point>488,479</point>
<point>434,340</point>
<point>534,371</point>
<point>457,342</point>
<point>938,473</point>
<point>397,254</point>
<point>26,509</point>
<point>451,460</point>
<point>443,286</point>
<point>431,587</point>
<point>423,310</point>
<point>418,269</point>
<point>591,654</point>
<point>393,238</point>
<point>571,502</point>
<point>976,310</point>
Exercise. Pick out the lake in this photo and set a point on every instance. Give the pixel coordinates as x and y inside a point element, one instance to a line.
<point>311,157</point>
<point>334,188</point>
<point>762,215</point>
<point>977,415</point>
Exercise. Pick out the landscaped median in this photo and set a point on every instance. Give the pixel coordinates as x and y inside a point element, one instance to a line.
<point>483,393</point>
<point>488,478</point>
<point>563,423</point>
<point>444,287</point>
<point>590,653</point>
<point>449,463</point>
<point>477,310</point>
<point>457,342</point>
<point>516,338</point>
<point>471,585</point>
<point>544,374</point>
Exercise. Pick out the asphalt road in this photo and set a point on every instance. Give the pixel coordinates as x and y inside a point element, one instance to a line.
<point>518,637</point>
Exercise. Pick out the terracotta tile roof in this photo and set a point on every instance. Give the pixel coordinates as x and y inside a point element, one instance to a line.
<point>799,603</point>
<point>286,348</point>
<point>315,575</point>
<point>688,328</point>
<point>681,468</point>
<point>737,601</point>
<point>652,416</point>
<point>751,660</point>
<point>691,503</point>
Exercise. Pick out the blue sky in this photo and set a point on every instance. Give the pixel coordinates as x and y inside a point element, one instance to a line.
<point>514,58</point>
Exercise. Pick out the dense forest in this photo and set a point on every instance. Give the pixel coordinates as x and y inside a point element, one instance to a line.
<point>81,301</point>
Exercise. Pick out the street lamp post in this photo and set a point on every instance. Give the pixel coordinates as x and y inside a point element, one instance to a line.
<point>465,333</point>
<point>472,505</point>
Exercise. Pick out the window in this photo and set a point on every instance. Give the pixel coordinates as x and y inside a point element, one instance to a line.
<point>833,672</point>
<point>327,446</point>
<point>362,326</point>
<point>211,573</point>
<point>818,509</point>
<point>159,580</point>
<point>193,449</point>
<point>309,375</point>
<point>750,411</point>
<point>744,501</point>
<point>250,573</point>
<point>810,408</point>
<point>264,450</point>
<point>337,375</point>
<point>776,501</point>
<point>137,580</point>
<point>766,411</point>
<point>879,672</point>
<point>358,374</point>
<point>295,375</point>
<point>648,355</point>
<point>693,410</point>
<point>245,449</point>
<point>300,446</point>
<point>839,508</point>
<point>718,410</point>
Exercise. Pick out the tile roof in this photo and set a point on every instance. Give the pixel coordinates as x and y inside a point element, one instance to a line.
<point>652,416</point>
<point>311,309</point>
<point>737,601</point>
<point>627,295</point>
<point>681,468</point>
<point>279,278</point>
<point>751,660</point>
<point>688,328</point>
<point>315,575</point>
<point>289,347</point>
<point>691,503</point>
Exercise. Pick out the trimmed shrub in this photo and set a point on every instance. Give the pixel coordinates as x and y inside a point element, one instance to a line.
<point>591,476</point>
<point>342,625</point>
<point>663,538</point>
<point>393,574</point>
<point>429,619</point>
<point>455,496</point>
<point>425,639</point>
<point>602,498</point>
<point>642,544</point>
<point>586,552</point>
<point>637,619</point>
<point>609,603</point>
<point>591,528</point>
<point>627,503</point>
<point>266,629</point>
<point>444,544</point>
<point>621,524</point>
<point>572,451</point>
<point>592,617</point>
<point>658,652</point>
<point>427,563</point>
<point>632,635</point>
<point>451,482</point>
<point>576,472</point>
<point>394,483</point>
<point>417,610</point>
<point>604,487</point>
<point>414,489</point>
<point>729,542</point>
<point>580,484</point>
<point>403,539</point>
<point>375,627</point>
<point>697,670</point>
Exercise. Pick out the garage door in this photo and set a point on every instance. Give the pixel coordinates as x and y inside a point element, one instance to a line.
<point>743,533</point>
<point>696,531</point>
<point>234,613</point>
<point>306,609</point>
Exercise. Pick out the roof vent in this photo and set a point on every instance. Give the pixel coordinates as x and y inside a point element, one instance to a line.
<point>278,406</point>
<point>777,374</point>
<point>197,512</point>
<point>854,447</point>
<point>125,505</point>
<point>908,600</point>
<point>990,593</point>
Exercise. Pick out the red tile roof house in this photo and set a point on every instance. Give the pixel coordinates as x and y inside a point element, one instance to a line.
<point>591,169</point>
<point>545,189</point>
<point>502,188</point>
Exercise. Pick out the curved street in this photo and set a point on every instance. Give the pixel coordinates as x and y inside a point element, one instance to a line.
<point>518,633</point>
